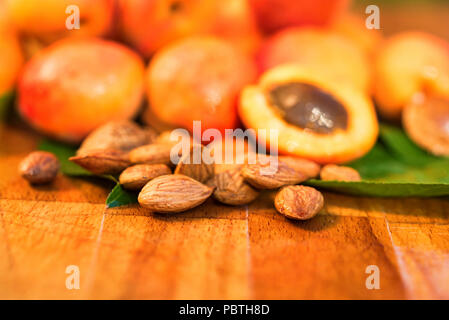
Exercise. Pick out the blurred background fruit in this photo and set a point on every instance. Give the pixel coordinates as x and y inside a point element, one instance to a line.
<point>11,60</point>
<point>410,63</point>
<point>11,56</point>
<point>235,22</point>
<point>324,51</point>
<point>273,15</point>
<point>198,78</point>
<point>46,19</point>
<point>150,24</point>
<point>353,27</point>
<point>75,85</point>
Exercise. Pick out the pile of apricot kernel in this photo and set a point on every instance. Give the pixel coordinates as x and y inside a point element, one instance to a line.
<point>315,117</point>
<point>412,82</point>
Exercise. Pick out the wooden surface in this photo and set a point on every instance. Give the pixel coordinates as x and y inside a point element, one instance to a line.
<point>214,251</point>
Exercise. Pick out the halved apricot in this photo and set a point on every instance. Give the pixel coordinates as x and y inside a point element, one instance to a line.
<point>315,118</point>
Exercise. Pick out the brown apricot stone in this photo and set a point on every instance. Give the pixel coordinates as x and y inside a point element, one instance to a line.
<point>298,202</point>
<point>339,173</point>
<point>137,176</point>
<point>308,107</point>
<point>426,121</point>
<point>309,168</point>
<point>270,175</point>
<point>232,189</point>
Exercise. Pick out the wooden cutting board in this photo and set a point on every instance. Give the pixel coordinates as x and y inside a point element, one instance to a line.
<point>214,251</point>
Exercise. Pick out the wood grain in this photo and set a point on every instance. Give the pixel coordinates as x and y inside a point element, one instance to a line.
<point>213,251</point>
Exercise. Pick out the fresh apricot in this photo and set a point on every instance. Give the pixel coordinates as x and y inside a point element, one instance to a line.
<point>46,19</point>
<point>75,85</point>
<point>235,22</point>
<point>322,50</point>
<point>198,78</point>
<point>11,56</point>
<point>410,63</point>
<point>273,15</point>
<point>152,24</point>
<point>314,117</point>
<point>353,28</point>
<point>11,59</point>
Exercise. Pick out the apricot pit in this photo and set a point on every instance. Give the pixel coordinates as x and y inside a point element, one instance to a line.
<point>308,107</point>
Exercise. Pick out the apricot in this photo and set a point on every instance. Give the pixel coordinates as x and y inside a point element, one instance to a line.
<point>75,85</point>
<point>151,24</point>
<point>11,56</point>
<point>11,59</point>
<point>315,118</point>
<point>353,28</point>
<point>273,15</point>
<point>198,78</point>
<point>234,21</point>
<point>410,63</point>
<point>46,19</point>
<point>326,52</point>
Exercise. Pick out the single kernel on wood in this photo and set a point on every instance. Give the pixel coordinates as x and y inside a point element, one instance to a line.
<point>151,154</point>
<point>173,193</point>
<point>298,202</point>
<point>339,173</point>
<point>107,161</point>
<point>39,167</point>
<point>308,167</point>
<point>137,176</point>
<point>262,176</point>
<point>201,171</point>
<point>119,135</point>
<point>232,189</point>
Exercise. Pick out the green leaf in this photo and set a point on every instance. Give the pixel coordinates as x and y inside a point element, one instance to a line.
<point>6,101</point>
<point>395,167</point>
<point>120,197</point>
<point>403,148</point>
<point>383,189</point>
